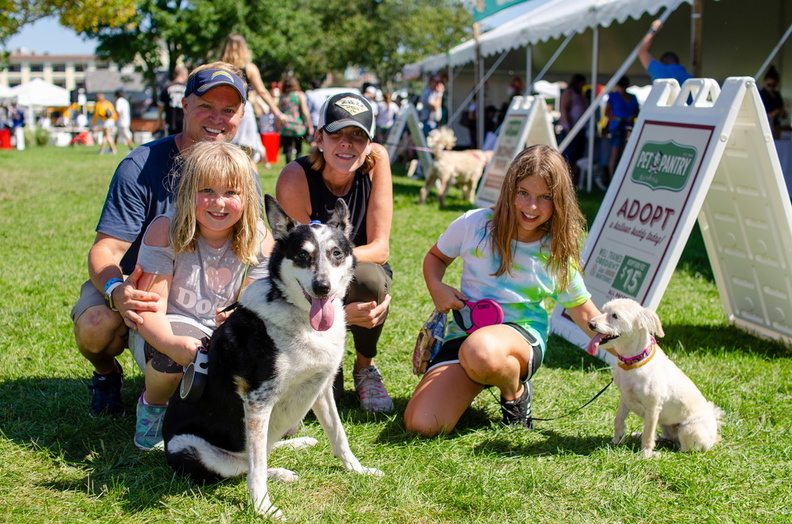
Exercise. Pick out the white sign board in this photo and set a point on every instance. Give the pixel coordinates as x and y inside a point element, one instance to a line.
<point>713,159</point>
<point>409,118</point>
<point>527,122</point>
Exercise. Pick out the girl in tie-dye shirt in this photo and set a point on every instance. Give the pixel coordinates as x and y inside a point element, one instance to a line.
<point>520,252</point>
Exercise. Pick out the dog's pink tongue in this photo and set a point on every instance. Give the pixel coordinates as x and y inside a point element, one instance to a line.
<point>594,344</point>
<point>322,313</point>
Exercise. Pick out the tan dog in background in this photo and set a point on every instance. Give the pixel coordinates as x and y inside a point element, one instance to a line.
<point>650,385</point>
<point>466,167</point>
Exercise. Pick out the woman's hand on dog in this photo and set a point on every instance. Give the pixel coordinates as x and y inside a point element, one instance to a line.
<point>133,299</point>
<point>367,314</point>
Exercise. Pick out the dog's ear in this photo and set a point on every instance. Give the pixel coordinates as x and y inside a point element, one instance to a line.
<point>340,218</point>
<point>652,322</point>
<point>280,223</point>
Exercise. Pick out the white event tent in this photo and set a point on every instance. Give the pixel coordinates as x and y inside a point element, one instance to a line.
<point>553,39</point>
<point>39,92</point>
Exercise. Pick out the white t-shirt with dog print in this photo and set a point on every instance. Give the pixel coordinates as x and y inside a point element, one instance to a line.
<point>521,292</point>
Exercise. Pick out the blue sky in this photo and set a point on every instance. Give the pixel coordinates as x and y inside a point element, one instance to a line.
<point>48,36</point>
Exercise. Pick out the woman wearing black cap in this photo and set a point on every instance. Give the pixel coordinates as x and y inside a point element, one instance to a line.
<point>345,163</point>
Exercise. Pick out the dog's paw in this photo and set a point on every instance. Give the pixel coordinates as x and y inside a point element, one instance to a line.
<point>281,474</point>
<point>297,443</point>
<point>374,472</point>
<point>649,453</point>
<point>267,509</point>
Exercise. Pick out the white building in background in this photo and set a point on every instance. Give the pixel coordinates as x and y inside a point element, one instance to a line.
<point>67,71</point>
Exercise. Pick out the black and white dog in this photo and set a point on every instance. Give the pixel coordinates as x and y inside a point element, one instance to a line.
<point>271,361</point>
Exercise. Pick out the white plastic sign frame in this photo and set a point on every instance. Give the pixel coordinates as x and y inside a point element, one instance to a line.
<point>527,122</point>
<point>409,118</point>
<point>713,160</point>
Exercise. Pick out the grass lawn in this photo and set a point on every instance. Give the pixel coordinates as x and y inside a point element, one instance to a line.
<point>59,465</point>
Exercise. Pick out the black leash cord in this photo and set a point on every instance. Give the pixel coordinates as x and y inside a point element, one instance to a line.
<point>581,407</point>
<point>574,410</point>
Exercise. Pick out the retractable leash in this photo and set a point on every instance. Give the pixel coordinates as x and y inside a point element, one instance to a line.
<point>571,412</point>
<point>483,313</point>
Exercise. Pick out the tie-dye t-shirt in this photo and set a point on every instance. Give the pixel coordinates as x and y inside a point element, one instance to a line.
<point>520,293</point>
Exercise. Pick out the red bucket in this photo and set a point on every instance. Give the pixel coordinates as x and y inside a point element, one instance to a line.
<point>5,138</point>
<point>271,142</point>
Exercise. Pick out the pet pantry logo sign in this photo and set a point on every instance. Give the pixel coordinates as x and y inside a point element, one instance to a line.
<point>665,165</point>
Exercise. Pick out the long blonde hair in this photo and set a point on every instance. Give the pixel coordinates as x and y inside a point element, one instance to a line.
<point>226,164</point>
<point>567,225</point>
<point>236,51</point>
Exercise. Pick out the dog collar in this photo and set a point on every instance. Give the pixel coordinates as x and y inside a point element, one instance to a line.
<point>640,359</point>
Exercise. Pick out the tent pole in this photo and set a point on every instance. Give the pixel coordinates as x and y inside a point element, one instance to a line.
<point>549,64</point>
<point>774,52</point>
<point>592,121</point>
<point>696,18</point>
<point>478,67</point>
<point>529,65</point>
<point>467,99</point>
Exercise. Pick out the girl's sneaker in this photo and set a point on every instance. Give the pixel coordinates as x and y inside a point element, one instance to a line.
<point>518,412</point>
<point>148,428</point>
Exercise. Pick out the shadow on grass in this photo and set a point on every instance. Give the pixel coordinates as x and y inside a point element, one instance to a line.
<point>48,418</point>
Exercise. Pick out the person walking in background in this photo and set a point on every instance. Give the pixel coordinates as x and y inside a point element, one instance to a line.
<point>105,115</point>
<point>346,164</point>
<point>124,120</point>
<point>518,253</point>
<point>169,111</point>
<point>139,191</point>
<point>572,105</point>
<point>772,101</point>
<point>214,229</point>
<point>668,66</point>
<point>297,119</point>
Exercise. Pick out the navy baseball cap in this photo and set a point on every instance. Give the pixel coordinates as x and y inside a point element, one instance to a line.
<point>204,80</point>
<point>347,109</point>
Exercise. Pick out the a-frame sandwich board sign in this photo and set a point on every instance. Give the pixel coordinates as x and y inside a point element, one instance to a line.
<point>714,160</point>
<point>409,118</point>
<point>527,122</point>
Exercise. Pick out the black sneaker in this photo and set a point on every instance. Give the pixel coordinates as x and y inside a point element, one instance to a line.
<point>106,393</point>
<point>517,412</point>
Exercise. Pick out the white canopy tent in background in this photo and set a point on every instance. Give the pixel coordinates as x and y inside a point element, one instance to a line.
<point>737,38</point>
<point>5,92</point>
<point>39,92</point>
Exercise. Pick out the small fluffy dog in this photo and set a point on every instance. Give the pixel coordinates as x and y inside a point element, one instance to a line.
<point>466,167</point>
<point>271,361</point>
<point>651,386</point>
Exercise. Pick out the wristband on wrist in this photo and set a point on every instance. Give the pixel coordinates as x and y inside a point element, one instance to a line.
<point>108,291</point>
<point>653,30</point>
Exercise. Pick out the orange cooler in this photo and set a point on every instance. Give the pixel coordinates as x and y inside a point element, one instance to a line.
<point>271,142</point>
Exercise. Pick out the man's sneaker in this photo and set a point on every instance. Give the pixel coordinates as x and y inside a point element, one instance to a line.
<point>106,393</point>
<point>148,428</point>
<point>517,412</point>
<point>368,384</point>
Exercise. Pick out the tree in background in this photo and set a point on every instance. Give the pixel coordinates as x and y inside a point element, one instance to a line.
<point>308,38</point>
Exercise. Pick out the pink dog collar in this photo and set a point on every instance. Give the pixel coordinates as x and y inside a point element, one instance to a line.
<point>638,360</point>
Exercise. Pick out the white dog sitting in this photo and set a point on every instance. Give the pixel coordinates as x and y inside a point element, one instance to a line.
<point>464,167</point>
<point>651,386</point>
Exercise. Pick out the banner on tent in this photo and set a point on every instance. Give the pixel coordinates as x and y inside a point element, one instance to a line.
<point>527,122</point>
<point>713,160</point>
<point>396,142</point>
